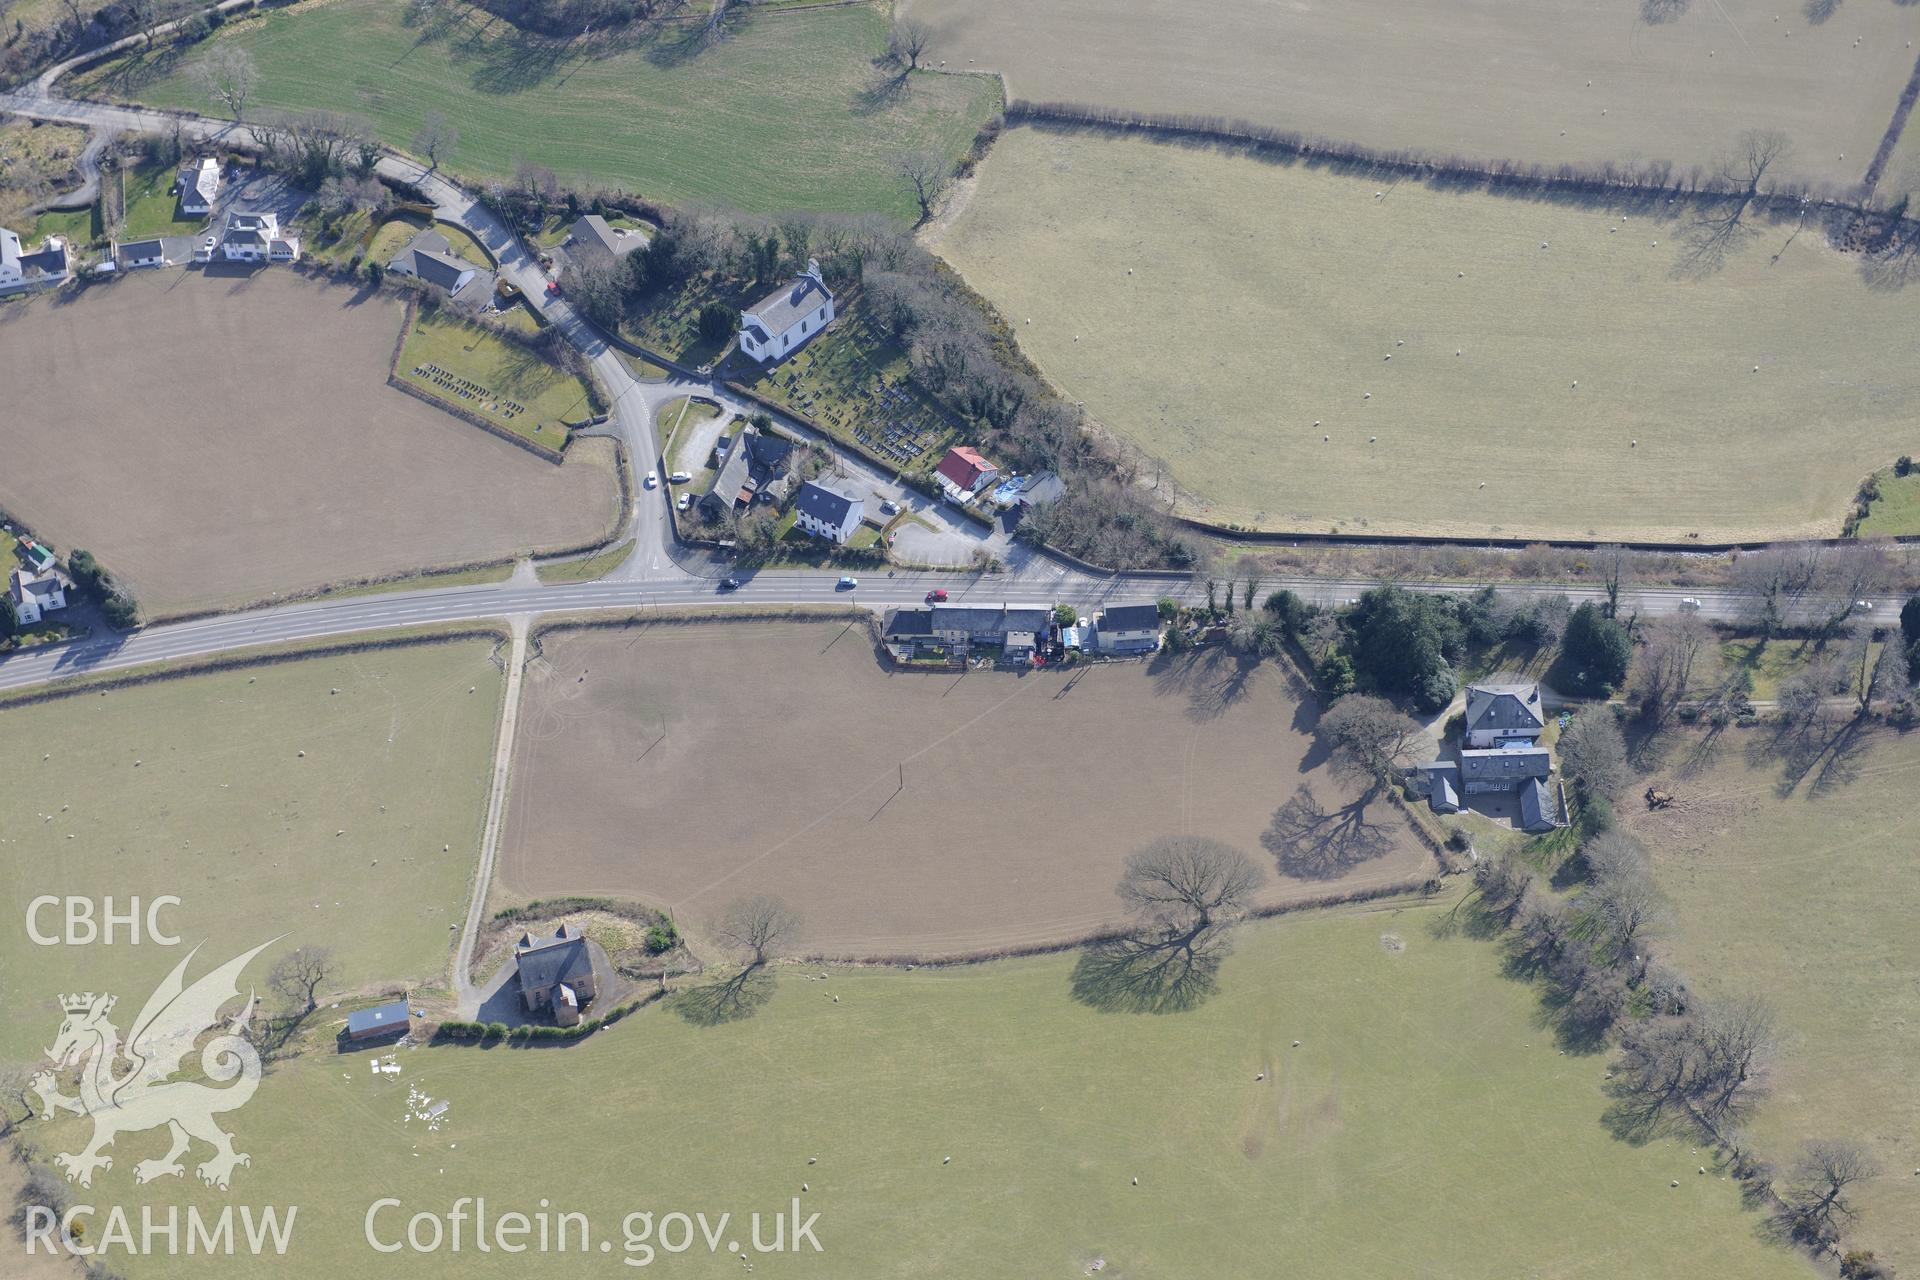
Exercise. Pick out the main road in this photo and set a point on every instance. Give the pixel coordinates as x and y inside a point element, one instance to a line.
<point>652,577</point>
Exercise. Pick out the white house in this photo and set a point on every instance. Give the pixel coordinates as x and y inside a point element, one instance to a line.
<point>1129,628</point>
<point>158,251</point>
<point>198,185</point>
<point>1504,715</point>
<point>256,237</point>
<point>49,264</point>
<point>775,326</point>
<point>35,595</point>
<point>828,512</point>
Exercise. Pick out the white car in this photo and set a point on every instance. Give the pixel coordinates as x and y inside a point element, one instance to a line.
<point>847,583</point>
<point>1864,606</point>
<point>653,479</point>
<point>686,500</point>
<point>679,477</point>
<point>1689,604</point>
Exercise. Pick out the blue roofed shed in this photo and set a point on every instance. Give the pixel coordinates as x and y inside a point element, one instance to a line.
<point>389,1019</point>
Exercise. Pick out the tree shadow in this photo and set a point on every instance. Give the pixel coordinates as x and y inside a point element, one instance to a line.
<point>1659,12</point>
<point>520,63</point>
<point>881,93</point>
<point>732,999</point>
<point>1142,973</point>
<point>1818,11</point>
<point>1839,765</point>
<point>1637,1117</point>
<point>1310,842</point>
<point>1703,754</point>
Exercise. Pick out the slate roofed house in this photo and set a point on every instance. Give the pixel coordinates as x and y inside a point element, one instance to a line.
<point>1129,628</point>
<point>555,973</point>
<point>35,595</point>
<point>1501,713</point>
<point>775,326</point>
<point>1015,627</point>
<point>49,264</point>
<point>964,472</point>
<point>828,511</point>
<point>379,1022</point>
<point>39,555</point>
<point>157,251</point>
<point>1537,811</point>
<point>592,239</point>
<point>198,186</point>
<point>753,465</point>
<point>903,631</point>
<point>1503,768</point>
<point>429,256</point>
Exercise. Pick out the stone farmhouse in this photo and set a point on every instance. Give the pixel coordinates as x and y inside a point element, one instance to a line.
<point>555,973</point>
<point>754,465</point>
<point>48,265</point>
<point>829,511</point>
<point>35,595</point>
<point>775,327</point>
<point>1500,758</point>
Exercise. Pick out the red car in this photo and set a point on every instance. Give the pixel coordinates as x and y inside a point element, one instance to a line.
<point>553,288</point>
<point>937,596</point>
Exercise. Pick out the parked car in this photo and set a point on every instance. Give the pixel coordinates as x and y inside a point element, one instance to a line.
<point>847,582</point>
<point>729,584</point>
<point>553,288</point>
<point>686,500</point>
<point>889,507</point>
<point>653,479</point>
<point>937,596</point>
<point>679,477</point>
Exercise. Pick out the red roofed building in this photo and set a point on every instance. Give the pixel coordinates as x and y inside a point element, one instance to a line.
<point>965,471</point>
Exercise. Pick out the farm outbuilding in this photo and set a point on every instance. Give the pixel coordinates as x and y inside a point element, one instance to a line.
<point>367,1025</point>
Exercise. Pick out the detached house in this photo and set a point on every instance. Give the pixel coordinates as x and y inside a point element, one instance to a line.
<point>158,251</point>
<point>754,464</point>
<point>256,237</point>
<point>35,595</point>
<point>591,239</point>
<point>555,974</point>
<point>1500,754</point>
<point>1128,628</point>
<point>774,327</point>
<point>1502,713</point>
<point>198,186</point>
<point>828,511</point>
<point>49,264</point>
<point>429,256</point>
<point>964,472</point>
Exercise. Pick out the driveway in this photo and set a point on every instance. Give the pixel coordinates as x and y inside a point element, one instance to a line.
<point>940,538</point>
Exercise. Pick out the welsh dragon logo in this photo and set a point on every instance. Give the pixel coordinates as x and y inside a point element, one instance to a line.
<point>144,1095</point>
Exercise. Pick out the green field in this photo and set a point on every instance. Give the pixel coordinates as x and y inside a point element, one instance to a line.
<point>1214,325</point>
<point>773,117</point>
<point>1807,900</point>
<point>1425,1126</point>
<point>152,207</point>
<point>522,392</point>
<point>1897,509</point>
<point>196,787</point>
<point>587,568</point>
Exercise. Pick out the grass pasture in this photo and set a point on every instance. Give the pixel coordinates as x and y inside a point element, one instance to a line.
<point>216,438</point>
<point>520,390</point>
<point>773,117</point>
<point>1897,509</point>
<point>784,744</point>
<point>1806,899</point>
<point>1438,345</point>
<point>1543,81</point>
<point>195,786</point>
<point>152,208</point>
<point>35,161</point>
<point>1420,1071</point>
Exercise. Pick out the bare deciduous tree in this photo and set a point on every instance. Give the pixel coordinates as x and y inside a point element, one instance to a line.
<point>435,138</point>
<point>299,975</point>
<point>1815,1194</point>
<point>1621,908</point>
<point>1594,751</point>
<point>907,43</point>
<point>1370,738</point>
<point>926,174</point>
<point>228,76</point>
<point>1186,893</point>
<point>1722,226</point>
<point>1674,646</point>
<point>759,925</point>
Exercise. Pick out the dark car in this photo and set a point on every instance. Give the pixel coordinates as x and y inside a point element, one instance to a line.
<point>729,584</point>
<point>937,596</point>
